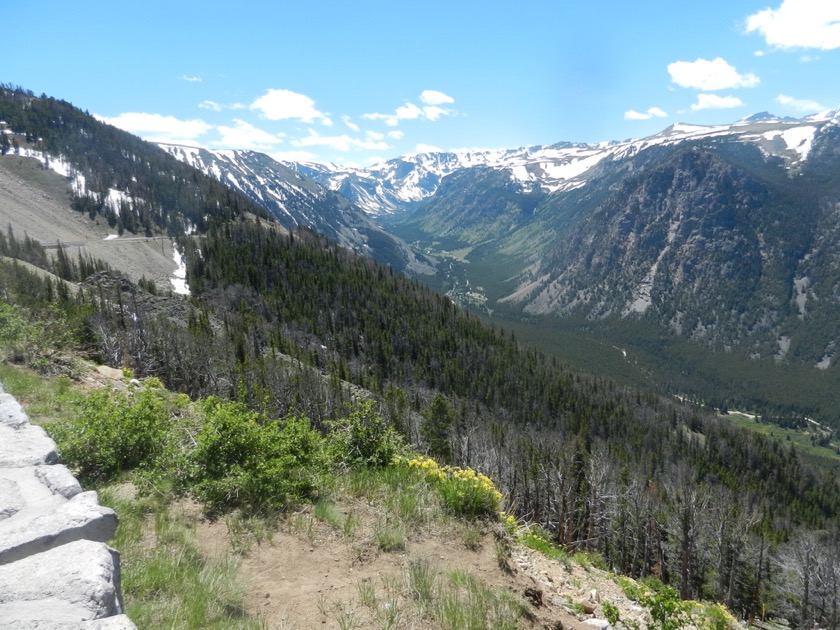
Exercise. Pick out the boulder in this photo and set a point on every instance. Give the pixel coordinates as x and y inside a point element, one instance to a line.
<point>61,588</point>
<point>30,486</point>
<point>113,374</point>
<point>58,479</point>
<point>55,570</point>
<point>11,498</point>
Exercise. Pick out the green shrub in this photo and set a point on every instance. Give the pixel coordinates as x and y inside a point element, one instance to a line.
<point>35,337</point>
<point>538,539</point>
<point>611,613</point>
<point>363,438</point>
<point>244,460</point>
<point>470,494</point>
<point>17,334</point>
<point>463,491</point>
<point>667,610</point>
<point>588,559</point>
<point>715,617</point>
<point>113,433</point>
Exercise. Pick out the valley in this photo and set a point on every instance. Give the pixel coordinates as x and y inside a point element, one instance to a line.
<point>593,427</point>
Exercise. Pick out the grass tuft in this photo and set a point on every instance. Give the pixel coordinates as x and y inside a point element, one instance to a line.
<point>166,580</point>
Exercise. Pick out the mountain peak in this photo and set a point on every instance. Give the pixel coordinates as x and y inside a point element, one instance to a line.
<point>760,117</point>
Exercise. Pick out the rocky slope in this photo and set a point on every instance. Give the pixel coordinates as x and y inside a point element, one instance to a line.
<point>297,201</point>
<point>723,235</point>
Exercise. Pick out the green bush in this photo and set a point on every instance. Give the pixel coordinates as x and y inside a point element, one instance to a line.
<point>17,333</point>
<point>35,337</point>
<point>464,492</point>
<point>538,539</point>
<point>113,433</point>
<point>469,494</point>
<point>363,438</point>
<point>667,610</point>
<point>244,460</point>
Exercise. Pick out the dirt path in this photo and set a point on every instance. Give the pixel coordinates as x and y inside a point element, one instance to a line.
<point>312,575</point>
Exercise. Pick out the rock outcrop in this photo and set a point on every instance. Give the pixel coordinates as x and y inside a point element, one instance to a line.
<point>55,569</point>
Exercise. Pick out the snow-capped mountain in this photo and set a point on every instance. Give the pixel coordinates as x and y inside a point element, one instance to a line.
<point>297,201</point>
<point>392,186</point>
<point>727,235</point>
<point>717,233</point>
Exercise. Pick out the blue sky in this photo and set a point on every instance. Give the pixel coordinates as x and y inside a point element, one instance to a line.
<point>356,82</point>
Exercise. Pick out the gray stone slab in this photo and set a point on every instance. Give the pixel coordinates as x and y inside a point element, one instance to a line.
<point>60,588</point>
<point>11,498</point>
<point>11,413</point>
<point>53,523</point>
<point>27,445</point>
<point>39,483</point>
<point>117,622</point>
<point>58,479</point>
<point>30,486</point>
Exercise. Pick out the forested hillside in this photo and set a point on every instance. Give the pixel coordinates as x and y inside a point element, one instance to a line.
<point>292,323</point>
<point>132,184</point>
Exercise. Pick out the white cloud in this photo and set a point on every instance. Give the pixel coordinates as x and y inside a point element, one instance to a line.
<point>799,24</point>
<point>189,79</point>
<point>713,101</point>
<point>340,143</point>
<point>157,128</point>
<point>409,111</point>
<point>210,105</point>
<point>244,135</point>
<point>433,97</point>
<point>396,134</point>
<point>798,104</point>
<point>285,104</point>
<point>431,110</point>
<point>350,124</point>
<point>652,112</point>
<point>375,135</point>
<point>707,75</point>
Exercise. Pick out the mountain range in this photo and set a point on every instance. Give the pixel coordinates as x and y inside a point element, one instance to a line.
<point>635,228</point>
<point>709,248</point>
<point>293,325</point>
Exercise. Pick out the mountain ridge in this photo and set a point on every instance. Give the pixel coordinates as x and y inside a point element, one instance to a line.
<point>393,185</point>
<point>297,201</point>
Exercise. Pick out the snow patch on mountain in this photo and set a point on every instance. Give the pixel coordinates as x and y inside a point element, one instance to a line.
<point>392,186</point>
<point>798,139</point>
<point>179,276</point>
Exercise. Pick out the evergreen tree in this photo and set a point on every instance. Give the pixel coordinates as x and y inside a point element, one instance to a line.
<point>436,429</point>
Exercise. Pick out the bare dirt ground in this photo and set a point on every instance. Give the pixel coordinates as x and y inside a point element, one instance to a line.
<point>310,574</point>
<point>36,202</point>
